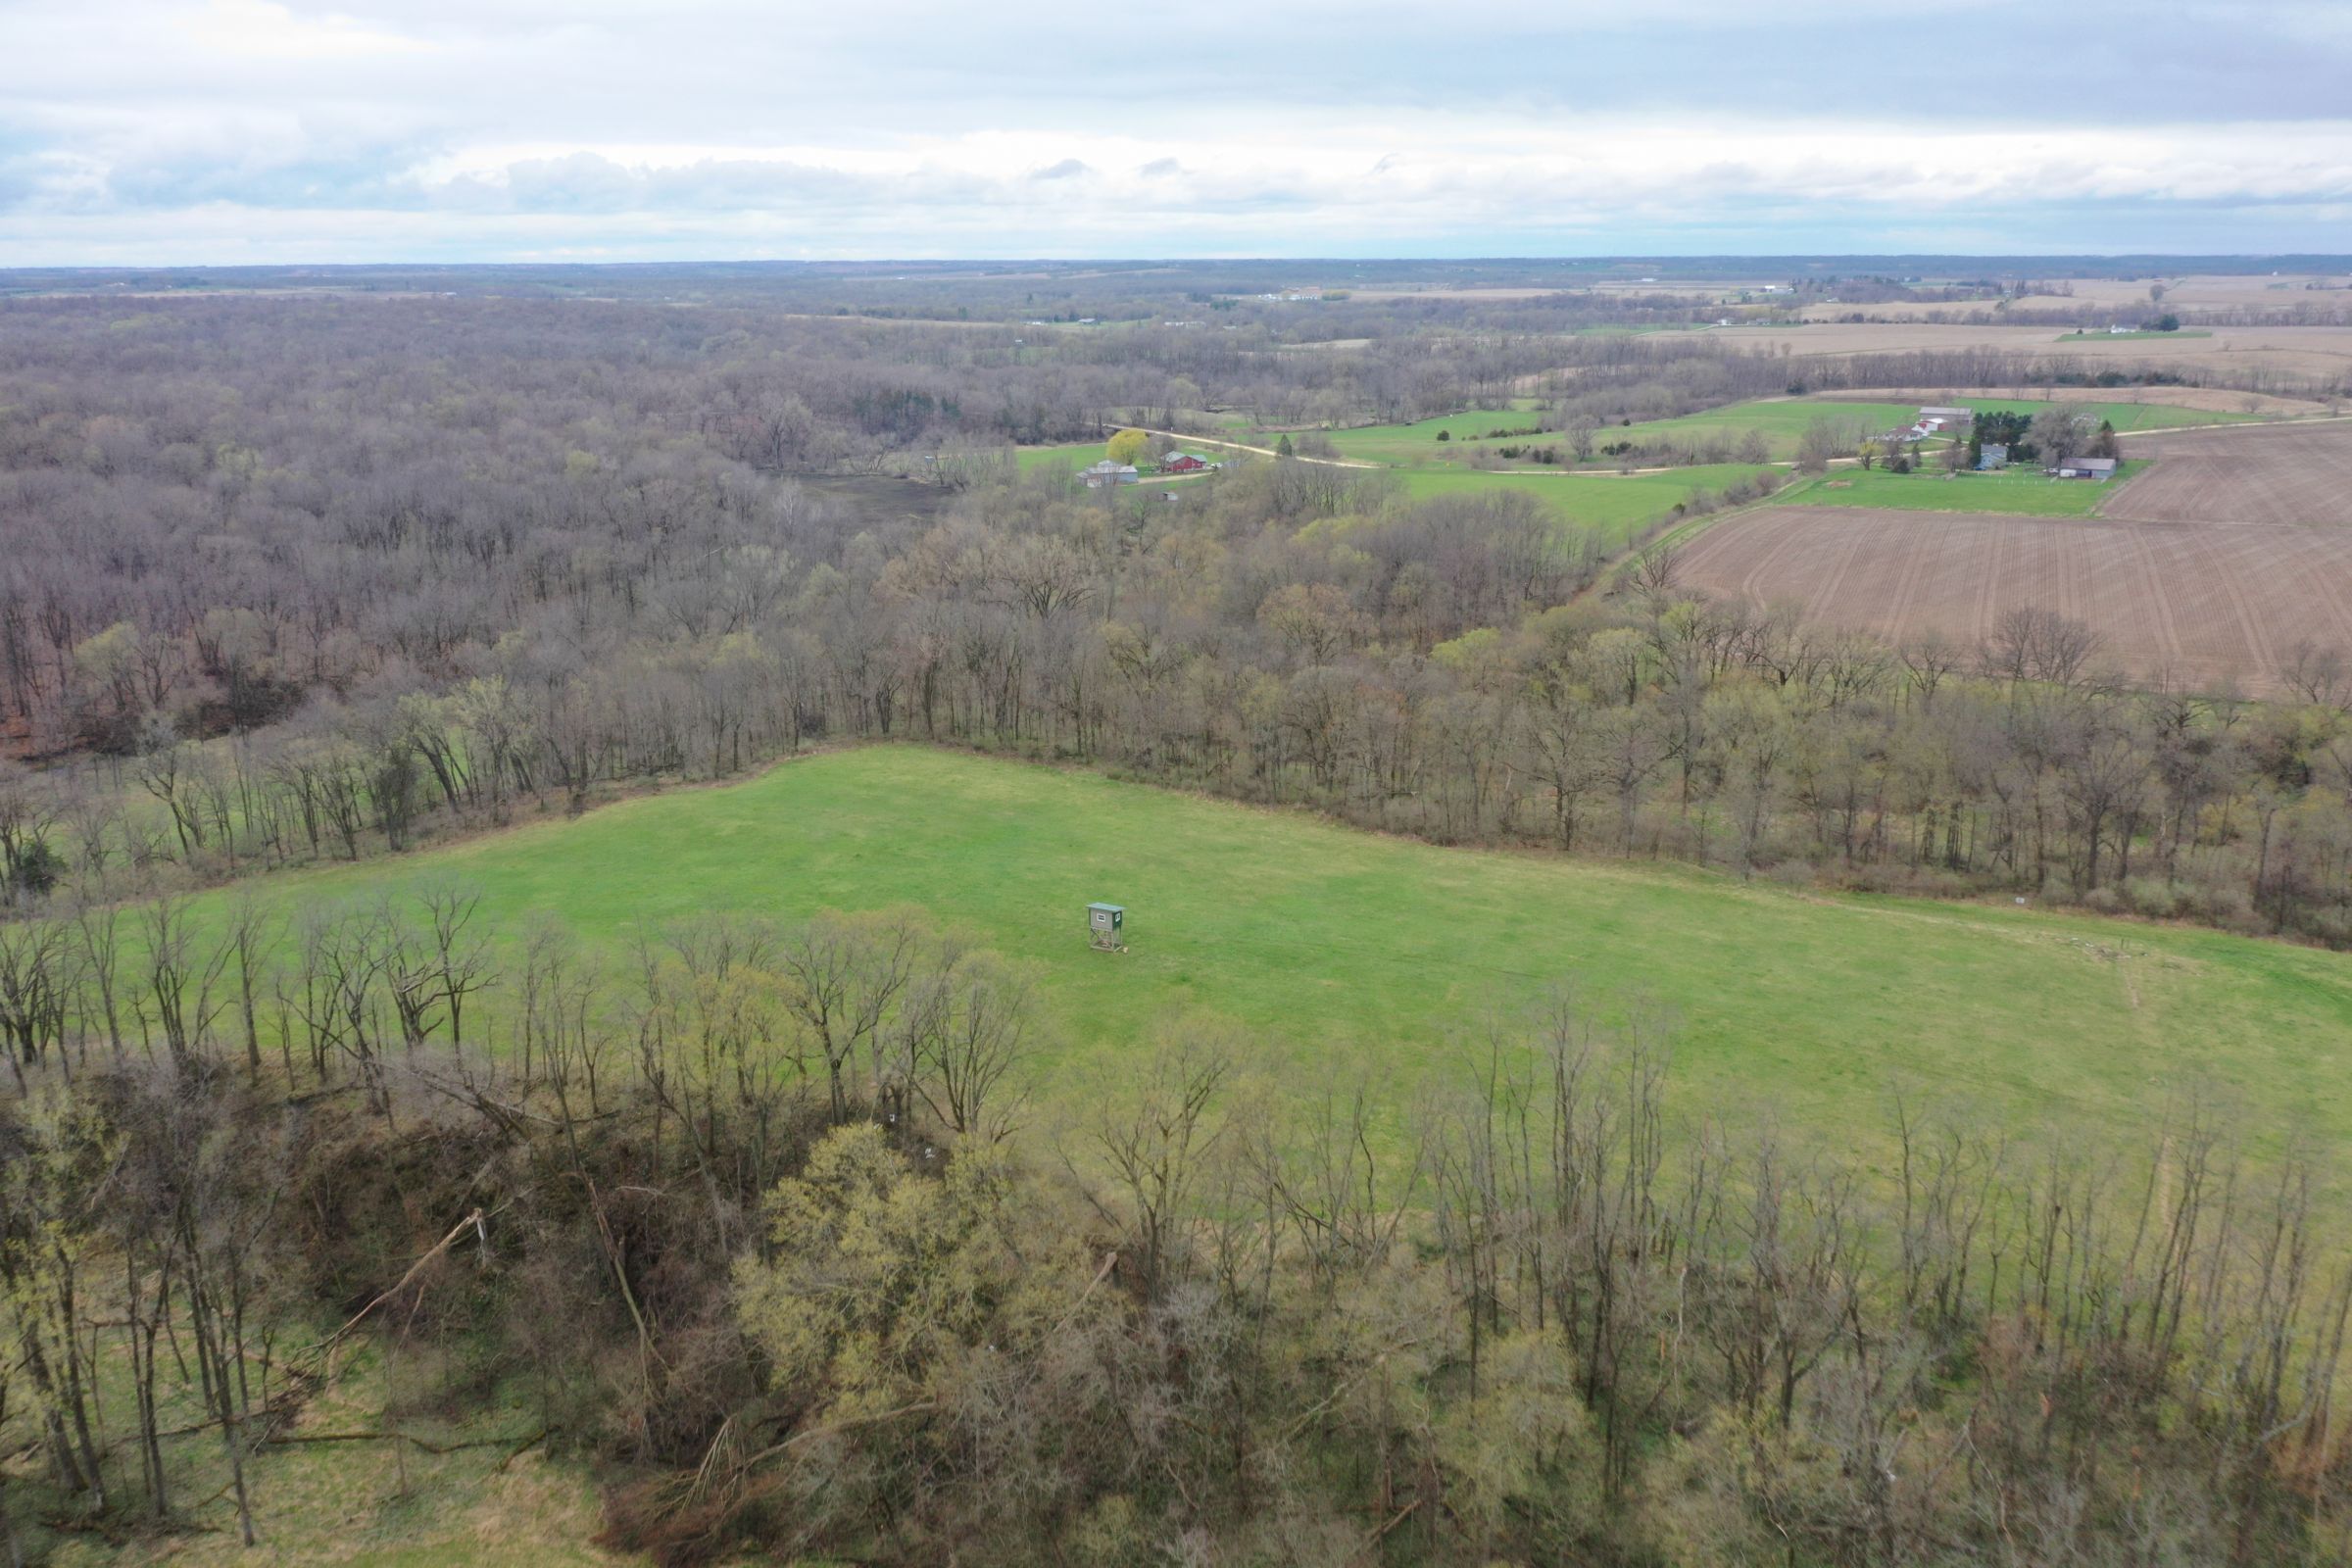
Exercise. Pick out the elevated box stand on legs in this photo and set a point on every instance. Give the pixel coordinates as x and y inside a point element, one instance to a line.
<point>1104,922</point>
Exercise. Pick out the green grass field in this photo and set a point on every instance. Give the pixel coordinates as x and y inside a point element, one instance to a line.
<point>1617,509</point>
<point>1339,952</point>
<point>1070,459</point>
<point>2125,416</point>
<point>1416,445</point>
<point>2023,490</point>
<point>1781,420</point>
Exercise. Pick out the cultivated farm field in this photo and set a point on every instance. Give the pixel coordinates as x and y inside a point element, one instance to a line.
<point>2190,601</point>
<point>2280,474</point>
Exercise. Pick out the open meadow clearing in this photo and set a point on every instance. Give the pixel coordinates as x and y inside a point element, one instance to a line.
<point>2190,603</point>
<point>2294,474</point>
<point>1339,954</point>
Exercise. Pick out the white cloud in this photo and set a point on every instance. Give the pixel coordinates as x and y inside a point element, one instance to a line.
<point>259,29</point>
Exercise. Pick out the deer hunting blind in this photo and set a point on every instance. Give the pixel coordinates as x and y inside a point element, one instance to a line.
<point>1102,923</point>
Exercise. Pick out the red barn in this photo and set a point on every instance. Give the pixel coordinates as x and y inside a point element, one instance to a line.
<point>1183,463</point>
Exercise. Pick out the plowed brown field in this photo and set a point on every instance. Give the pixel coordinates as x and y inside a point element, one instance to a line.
<point>2246,475</point>
<point>2190,603</point>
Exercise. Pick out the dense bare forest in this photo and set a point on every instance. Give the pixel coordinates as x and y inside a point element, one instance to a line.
<point>286,579</point>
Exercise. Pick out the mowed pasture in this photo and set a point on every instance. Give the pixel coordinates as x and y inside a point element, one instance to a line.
<point>1416,444</point>
<point>2190,603</point>
<point>2280,474</point>
<point>1329,956</point>
<point>1616,507</point>
<point>1783,421</point>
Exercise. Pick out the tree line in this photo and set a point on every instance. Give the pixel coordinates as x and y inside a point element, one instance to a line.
<point>1289,632</point>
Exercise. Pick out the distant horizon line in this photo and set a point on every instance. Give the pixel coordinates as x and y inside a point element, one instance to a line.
<point>2301,260</point>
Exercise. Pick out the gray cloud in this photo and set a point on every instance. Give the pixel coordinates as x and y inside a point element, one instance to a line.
<point>721,124</point>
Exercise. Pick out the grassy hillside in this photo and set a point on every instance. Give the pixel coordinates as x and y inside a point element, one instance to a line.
<point>1342,952</point>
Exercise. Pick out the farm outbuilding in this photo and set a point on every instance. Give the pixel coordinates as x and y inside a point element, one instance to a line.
<point>2101,469</point>
<point>1184,463</point>
<point>1948,415</point>
<point>1108,472</point>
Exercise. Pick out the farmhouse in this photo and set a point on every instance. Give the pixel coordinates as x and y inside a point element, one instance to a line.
<point>1990,456</point>
<point>1184,463</point>
<point>1108,472</point>
<point>2101,469</point>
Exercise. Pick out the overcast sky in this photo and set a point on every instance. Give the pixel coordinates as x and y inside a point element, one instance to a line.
<point>140,131</point>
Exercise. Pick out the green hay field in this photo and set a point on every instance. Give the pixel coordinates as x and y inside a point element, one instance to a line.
<point>1069,459</point>
<point>1339,952</point>
<point>1416,445</point>
<point>2026,491</point>
<point>1781,420</point>
<point>1616,508</point>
